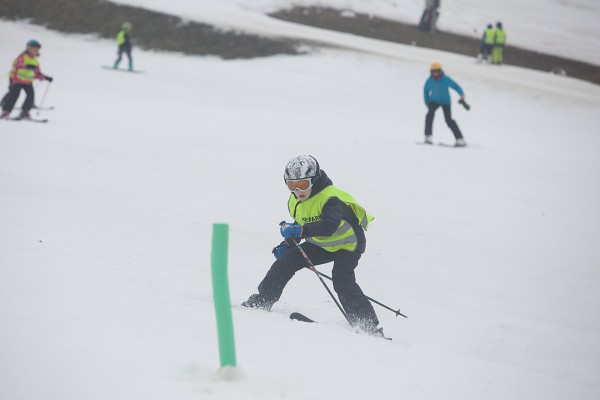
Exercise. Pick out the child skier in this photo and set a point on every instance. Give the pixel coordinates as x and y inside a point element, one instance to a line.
<point>332,224</point>
<point>436,95</point>
<point>487,44</point>
<point>124,46</point>
<point>25,69</point>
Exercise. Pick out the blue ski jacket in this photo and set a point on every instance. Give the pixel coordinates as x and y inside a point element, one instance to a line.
<point>436,90</point>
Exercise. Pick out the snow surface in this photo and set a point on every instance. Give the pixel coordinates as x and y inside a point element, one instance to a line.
<point>566,28</point>
<point>106,215</point>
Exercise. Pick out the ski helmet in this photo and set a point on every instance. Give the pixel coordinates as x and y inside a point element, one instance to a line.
<point>302,167</point>
<point>126,25</point>
<point>436,66</point>
<point>33,43</point>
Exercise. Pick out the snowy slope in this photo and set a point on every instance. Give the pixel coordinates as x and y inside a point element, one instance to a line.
<point>564,28</point>
<point>106,215</point>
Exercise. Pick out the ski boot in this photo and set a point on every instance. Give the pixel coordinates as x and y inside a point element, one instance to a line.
<point>460,142</point>
<point>24,115</point>
<point>258,301</point>
<point>373,330</point>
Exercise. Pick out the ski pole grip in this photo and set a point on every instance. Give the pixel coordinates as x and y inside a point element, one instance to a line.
<point>292,241</point>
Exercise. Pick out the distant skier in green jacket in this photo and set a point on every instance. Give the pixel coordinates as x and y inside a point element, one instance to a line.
<point>332,225</point>
<point>499,44</point>
<point>124,44</point>
<point>487,44</point>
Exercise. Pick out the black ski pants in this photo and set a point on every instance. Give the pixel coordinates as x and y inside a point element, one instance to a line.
<point>433,106</point>
<point>357,306</point>
<point>7,93</point>
<point>486,49</point>
<point>13,95</point>
<point>127,51</point>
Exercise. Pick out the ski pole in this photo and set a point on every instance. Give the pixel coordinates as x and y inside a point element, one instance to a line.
<point>397,312</point>
<point>43,98</point>
<point>312,268</point>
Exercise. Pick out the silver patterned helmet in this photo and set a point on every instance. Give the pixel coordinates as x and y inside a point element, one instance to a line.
<point>301,167</point>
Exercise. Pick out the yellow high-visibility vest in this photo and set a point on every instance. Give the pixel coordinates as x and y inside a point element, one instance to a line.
<point>27,74</point>
<point>500,37</point>
<point>311,210</point>
<point>488,37</point>
<point>121,37</point>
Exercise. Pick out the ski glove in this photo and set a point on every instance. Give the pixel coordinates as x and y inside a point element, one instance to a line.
<point>49,78</point>
<point>290,229</point>
<point>463,103</point>
<point>281,248</point>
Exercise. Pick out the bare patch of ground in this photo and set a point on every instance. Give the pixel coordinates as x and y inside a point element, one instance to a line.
<point>151,30</point>
<point>393,31</point>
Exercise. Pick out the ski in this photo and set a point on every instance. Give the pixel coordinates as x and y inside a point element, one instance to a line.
<point>441,144</point>
<point>28,119</point>
<point>45,108</point>
<point>131,71</point>
<point>296,316</point>
<point>303,318</point>
<point>300,317</point>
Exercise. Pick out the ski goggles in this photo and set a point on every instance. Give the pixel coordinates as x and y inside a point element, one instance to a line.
<point>299,184</point>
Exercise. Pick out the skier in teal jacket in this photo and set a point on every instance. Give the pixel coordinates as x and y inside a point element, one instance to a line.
<point>437,94</point>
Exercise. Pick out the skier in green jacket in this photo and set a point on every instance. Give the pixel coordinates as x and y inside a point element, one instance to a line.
<point>124,44</point>
<point>487,44</point>
<point>332,224</point>
<point>499,44</point>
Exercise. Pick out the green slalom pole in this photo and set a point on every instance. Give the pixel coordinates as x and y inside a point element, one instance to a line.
<point>220,283</point>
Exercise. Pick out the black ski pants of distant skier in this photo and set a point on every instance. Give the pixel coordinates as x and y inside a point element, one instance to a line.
<point>127,50</point>
<point>353,300</point>
<point>7,93</point>
<point>13,95</point>
<point>486,49</point>
<point>433,106</point>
